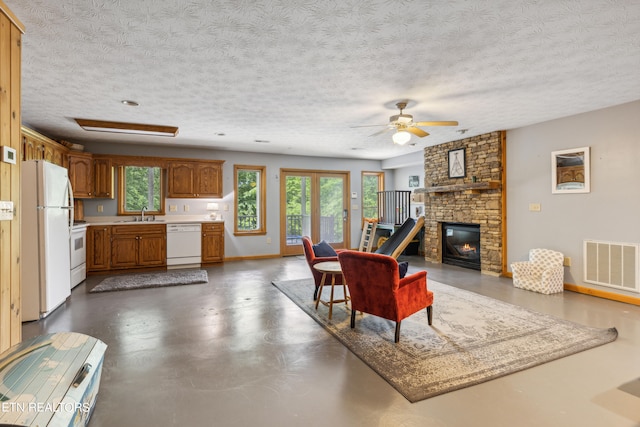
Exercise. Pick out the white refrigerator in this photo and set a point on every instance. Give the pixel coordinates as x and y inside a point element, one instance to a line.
<point>47,218</point>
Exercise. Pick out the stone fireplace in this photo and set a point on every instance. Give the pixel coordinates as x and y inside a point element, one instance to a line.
<point>475,198</point>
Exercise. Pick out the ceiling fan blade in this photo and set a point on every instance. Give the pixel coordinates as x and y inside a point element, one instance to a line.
<point>452,123</point>
<point>366,126</point>
<point>380,132</point>
<point>417,131</point>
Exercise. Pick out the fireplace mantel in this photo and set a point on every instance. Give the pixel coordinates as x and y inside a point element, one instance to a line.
<point>469,188</point>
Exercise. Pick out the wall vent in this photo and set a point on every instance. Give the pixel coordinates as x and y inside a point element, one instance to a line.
<point>612,264</point>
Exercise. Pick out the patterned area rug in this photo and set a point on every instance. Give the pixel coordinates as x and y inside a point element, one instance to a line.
<point>151,280</point>
<point>473,339</point>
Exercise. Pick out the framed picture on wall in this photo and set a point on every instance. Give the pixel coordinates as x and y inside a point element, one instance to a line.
<point>570,171</point>
<point>414,181</point>
<point>457,168</point>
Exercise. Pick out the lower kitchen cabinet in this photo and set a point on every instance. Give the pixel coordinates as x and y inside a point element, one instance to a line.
<point>114,247</point>
<point>98,248</point>
<point>212,242</point>
<point>135,246</point>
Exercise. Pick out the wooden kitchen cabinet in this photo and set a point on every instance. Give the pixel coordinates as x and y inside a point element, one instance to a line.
<point>98,248</point>
<point>36,146</point>
<point>135,246</point>
<point>103,178</point>
<point>192,179</point>
<point>81,174</point>
<point>212,242</point>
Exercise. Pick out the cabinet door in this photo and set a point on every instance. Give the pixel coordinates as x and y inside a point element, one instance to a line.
<point>48,153</point>
<point>29,149</point>
<point>124,251</point>
<point>208,180</point>
<point>98,248</point>
<point>152,250</point>
<point>212,243</point>
<point>81,175</point>
<point>103,178</point>
<point>182,180</point>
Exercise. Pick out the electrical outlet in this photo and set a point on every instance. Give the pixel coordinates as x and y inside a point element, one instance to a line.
<point>186,208</point>
<point>173,208</point>
<point>226,207</point>
<point>100,208</point>
<point>268,240</point>
<point>535,207</point>
<point>567,261</point>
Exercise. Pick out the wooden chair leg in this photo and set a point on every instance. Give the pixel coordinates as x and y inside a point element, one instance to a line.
<point>430,314</point>
<point>397,337</point>
<point>320,288</point>
<point>353,319</point>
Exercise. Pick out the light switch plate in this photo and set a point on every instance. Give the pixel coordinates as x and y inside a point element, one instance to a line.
<point>6,210</point>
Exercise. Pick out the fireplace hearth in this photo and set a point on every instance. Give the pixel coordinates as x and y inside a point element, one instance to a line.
<point>461,244</point>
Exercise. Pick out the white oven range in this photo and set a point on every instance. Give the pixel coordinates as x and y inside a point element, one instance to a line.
<point>78,254</point>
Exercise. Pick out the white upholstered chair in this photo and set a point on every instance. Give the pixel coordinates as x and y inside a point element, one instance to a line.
<point>544,272</point>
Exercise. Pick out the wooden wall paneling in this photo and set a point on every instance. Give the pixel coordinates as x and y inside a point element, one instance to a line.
<point>10,68</point>
<point>16,121</point>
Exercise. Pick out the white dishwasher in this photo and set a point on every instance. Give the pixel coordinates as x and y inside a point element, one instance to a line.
<point>184,244</point>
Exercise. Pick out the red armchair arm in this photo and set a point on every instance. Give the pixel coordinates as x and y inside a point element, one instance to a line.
<point>412,294</point>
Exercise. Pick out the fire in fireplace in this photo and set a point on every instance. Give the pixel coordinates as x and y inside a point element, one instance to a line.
<point>461,244</point>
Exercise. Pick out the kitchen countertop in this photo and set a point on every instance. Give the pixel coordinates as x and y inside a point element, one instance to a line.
<point>167,219</point>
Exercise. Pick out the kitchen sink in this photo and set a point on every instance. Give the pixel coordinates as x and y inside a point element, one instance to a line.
<point>138,221</point>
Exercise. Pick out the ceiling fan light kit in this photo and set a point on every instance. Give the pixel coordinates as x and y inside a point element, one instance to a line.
<point>401,137</point>
<point>133,128</point>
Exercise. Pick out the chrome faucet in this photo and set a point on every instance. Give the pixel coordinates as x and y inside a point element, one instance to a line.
<point>144,209</point>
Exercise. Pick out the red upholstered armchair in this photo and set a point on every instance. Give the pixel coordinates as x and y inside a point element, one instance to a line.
<point>375,287</point>
<point>312,259</point>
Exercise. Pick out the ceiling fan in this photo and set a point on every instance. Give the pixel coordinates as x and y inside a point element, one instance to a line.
<point>405,126</point>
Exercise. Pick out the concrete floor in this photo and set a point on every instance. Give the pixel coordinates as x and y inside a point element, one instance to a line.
<point>237,352</point>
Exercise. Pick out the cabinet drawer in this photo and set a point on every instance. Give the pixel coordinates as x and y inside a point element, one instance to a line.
<point>139,229</point>
<point>212,227</point>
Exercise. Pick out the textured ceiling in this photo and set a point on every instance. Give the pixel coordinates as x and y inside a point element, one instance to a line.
<point>301,73</point>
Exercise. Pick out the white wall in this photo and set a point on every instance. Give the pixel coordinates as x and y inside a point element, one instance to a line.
<point>609,212</point>
<point>244,246</point>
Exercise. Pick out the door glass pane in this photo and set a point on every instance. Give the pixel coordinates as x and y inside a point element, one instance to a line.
<point>370,188</point>
<point>298,209</point>
<point>331,209</point>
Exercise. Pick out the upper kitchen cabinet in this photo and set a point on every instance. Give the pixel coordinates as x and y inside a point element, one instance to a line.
<point>191,179</point>
<point>81,174</point>
<point>102,177</point>
<point>36,146</point>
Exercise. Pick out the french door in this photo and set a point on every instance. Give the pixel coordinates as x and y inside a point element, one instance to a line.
<point>314,204</point>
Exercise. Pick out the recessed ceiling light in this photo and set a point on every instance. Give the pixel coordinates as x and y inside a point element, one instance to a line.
<point>120,127</point>
<point>129,103</point>
<point>220,134</point>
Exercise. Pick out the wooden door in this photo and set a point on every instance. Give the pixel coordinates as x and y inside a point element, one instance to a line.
<point>81,175</point>
<point>212,243</point>
<point>98,248</point>
<point>103,178</point>
<point>181,179</point>
<point>314,204</point>
<point>124,251</point>
<point>152,250</point>
<point>208,179</point>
